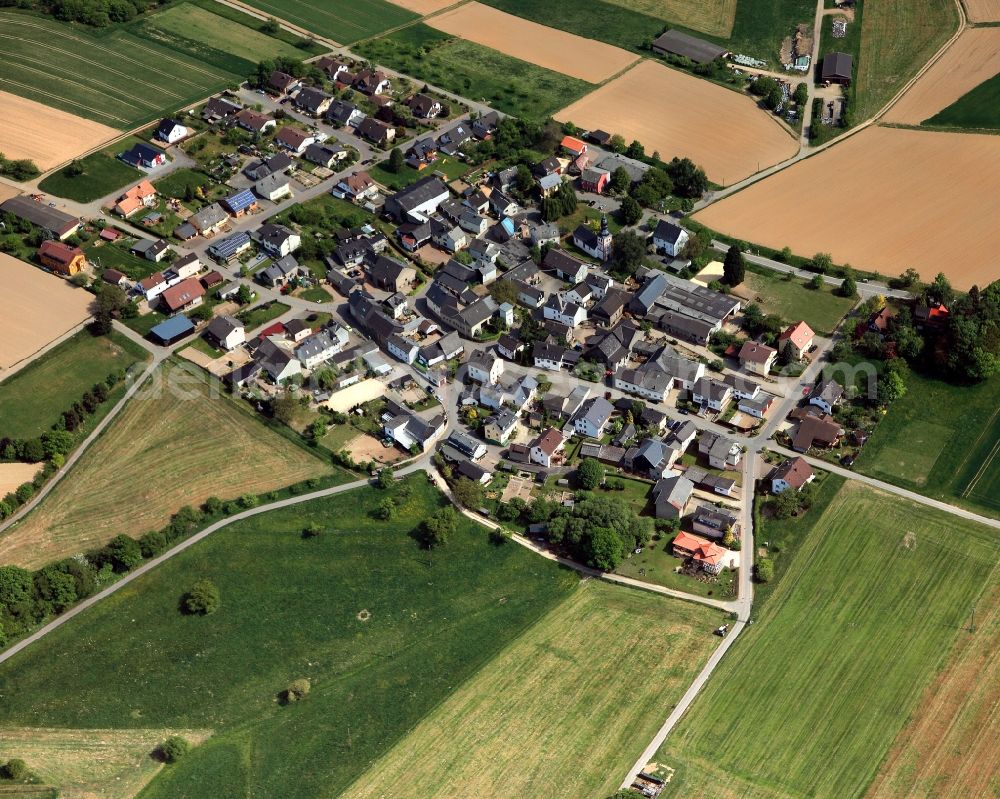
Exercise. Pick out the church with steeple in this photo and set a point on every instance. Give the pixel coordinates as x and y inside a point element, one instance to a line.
<point>596,244</point>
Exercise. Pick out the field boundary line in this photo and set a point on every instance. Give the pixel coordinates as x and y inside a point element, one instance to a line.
<point>982,469</point>
<point>971,449</point>
<point>16,367</point>
<point>61,99</point>
<point>289,26</point>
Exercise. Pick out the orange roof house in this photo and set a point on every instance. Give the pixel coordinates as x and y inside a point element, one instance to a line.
<point>707,554</point>
<point>142,195</point>
<point>61,258</point>
<point>800,335</point>
<point>185,294</point>
<point>576,147</point>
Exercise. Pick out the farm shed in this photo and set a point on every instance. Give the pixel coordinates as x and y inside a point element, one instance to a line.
<point>174,329</point>
<point>673,42</point>
<point>837,68</point>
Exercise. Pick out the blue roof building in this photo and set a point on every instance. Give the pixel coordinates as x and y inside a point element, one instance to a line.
<point>231,246</point>
<point>174,329</point>
<point>238,203</point>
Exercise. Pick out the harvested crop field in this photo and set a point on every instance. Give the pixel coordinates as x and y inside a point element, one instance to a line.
<point>949,746</point>
<point>972,59</point>
<point>46,135</point>
<point>175,444</point>
<point>680,115</point>
<point>14,474</point>
<point>983,10</point>
<point>553,49</point>
<point>423,6</point>
<point>6,192</point>
<point>886,199</point>
<point>549,696</point>
<point>36,308</point>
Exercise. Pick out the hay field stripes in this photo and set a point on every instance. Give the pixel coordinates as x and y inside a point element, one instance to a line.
<point>550,48</point>
<point>714,17</point>
<point>93,71</point>
<point>85,764</point>
<point>186,445</point>
<point>548,694</point>
<point>973,58</point>
<point>907,173</point>
<point>359,19</point>
<point>985,467</point>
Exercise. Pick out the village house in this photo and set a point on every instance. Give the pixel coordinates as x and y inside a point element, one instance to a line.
<point>546,450</point>
<point>816,431</point>
<point>798,338</point>
<point>548,355</point>
<point>671,495</point>
<point>144,156</point>
<point>313,102</point>
<point>757,358</point>
<point>594,179</point>
<point>170,131</point>
<point>423,107</point>
<point>485,367</point>
<point>791,473</point>
<point>279,82</point>
<point>209,220</point>
<point>669,239</point>
<point>389,274</point>
<point>142,195</point>
<point>294,140</point>
<point>713,522</point>
<point>417,201</point>
<point>61,258</point>
<point>721,452</point>
<point>278,273</point>
<point>826,395</point>
<point>219,108</point>
<point>371,81</point>
<point>241,203</point>
<point>255,121</point>
<point>186,294</point>
<point>564,266</point>
<point>226,332</point>
<point>273,187</point>
<point>151,249</point>
<point>712,395</point>
<point>702,552</point>
<point>358,186</point>
<point>344,114</point>
<point>592,417</point>
<point>277,240</point>
<point>326,154</point>
<point>563,311</point>
<point>500,426</point>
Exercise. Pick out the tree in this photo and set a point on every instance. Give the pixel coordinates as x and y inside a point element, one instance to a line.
<point>635,150</point>
<point>174,748</point>
<point>395,160</point>
<point>801,94</point>
<point>607,550</point>
<point>590,473</point>
<point>848,288</point>
<point>110,303</point>
<point>386,478</point>
<point>297,689</point>
<point>734,267</point>
<point>438,528</point>
<point>15,586</point>
<point>764,569</point>
<point>468,492</point>
<point>123,553</point>
<point>270,26</point>
<point>620,180</point>
<point>774,98</point>
<point>311,530</point>
<point>283,407</point>
<point>815,282</point>
<point>822,262</point>
<point>617,143</point>
<point>385,509</point>
<point>627,252</point>
<point>202,599</point>
<point>891,387</point>
<point>763,85</point>
<point>786,504</point>
<point>689,179</point>
<point>940,291</point>
<point>504,291</point>
<point>631,211</point>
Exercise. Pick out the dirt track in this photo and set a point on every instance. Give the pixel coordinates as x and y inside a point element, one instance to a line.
<point>553,49</point>
<point>680,115</point>
<point>885,199</point>
<point>35,308</point>
<point>46,135</point>
<point>975,57</point>
<point>983,10</point>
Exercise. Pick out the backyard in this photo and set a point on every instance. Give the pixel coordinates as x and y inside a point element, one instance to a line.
<point>792,300</point>
<point>103,173</point>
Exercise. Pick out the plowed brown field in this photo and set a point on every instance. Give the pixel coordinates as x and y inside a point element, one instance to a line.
<point>553,49</point>
<point>975,57</point>
<point>679,115</point>
<point>46,135</point>
<point>885,199</point>
<point>983,10</point>
<point>35,308</point>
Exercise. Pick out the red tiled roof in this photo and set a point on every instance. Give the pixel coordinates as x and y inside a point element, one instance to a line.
<point>699,549</point>
<point>549,441</point>
<point>800,334</point>
<point>185,292</point>
<point>794,471</point>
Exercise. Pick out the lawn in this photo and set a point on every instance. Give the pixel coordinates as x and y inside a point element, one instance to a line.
<point>180,440</point>
<point>117,256</point>
<point>821,309</point>
<point>578,696</point>
<point>116,78</point>
<point>897,38</point>
<point>811,701</point>
<point>252,318</point>
<point>757,28</point>
<point>450,168</point>
<point>977,110</point>
<point>103,174</point>
<point>206,28</point>
<point>34,398</point>
<point>943,441</point>
<point>178,182</point>
<point>384,631</point>
<point>656,564</point>
<point>479,73</point>
<point>344,21</point>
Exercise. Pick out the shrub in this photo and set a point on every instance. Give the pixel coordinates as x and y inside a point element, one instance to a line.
<point>152,543</point>
<point>16,769</point>
<point>174,748</point>
<point>764,570</point>
<point>311,530</point>
<point>202,599</point>
<point>297,689</point>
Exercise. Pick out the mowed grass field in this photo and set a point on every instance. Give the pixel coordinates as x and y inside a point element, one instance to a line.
<point>103,174</point>
<point>563,712</point>
<point>977,110</point>
<point>173,445</point>
<point>943,441</point>
<point>948,747</point>
<point>811,702</point>
<point>344,21</point>
<point>821,309</point>
<point>471,70</point>
<point>118,79</point>
<point>756,26</point>
<point>33,399</point>
<point>383,629</point>
<point>897,38</point>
